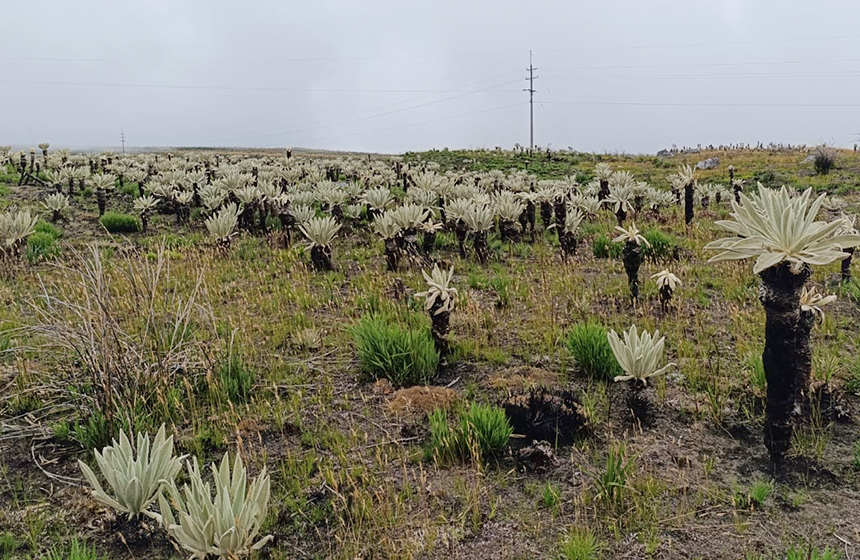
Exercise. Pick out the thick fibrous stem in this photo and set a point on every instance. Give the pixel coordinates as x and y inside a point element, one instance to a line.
<point>620,215</point>
<point>527,218</point>
<point>407,240</point>
<point>688,203</point>
<point>603,193</point>
<point>737,191</point>
<point>846,265</point>
<point>288,222</point>
<point>665,296</point>
<point>144,220</point>
<point>507,230</point>
<point>246,218</point>
<point>786,357</point>
<point>321,257</point>
<point>461,230</point>
<point>101,200</point>
<point>480,244</point>
<point>568,244</point>
<point>560,215</point>
<point>183,213</point>
<point>546,214</point>
<point>632,257</point>
<point>392,254</point>
<point>440,328</point>
<point>428,242</point>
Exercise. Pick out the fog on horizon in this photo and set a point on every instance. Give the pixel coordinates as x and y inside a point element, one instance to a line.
<point>391,77</point>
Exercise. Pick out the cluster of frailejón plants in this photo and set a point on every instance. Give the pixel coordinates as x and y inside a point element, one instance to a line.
<point>222,519</point>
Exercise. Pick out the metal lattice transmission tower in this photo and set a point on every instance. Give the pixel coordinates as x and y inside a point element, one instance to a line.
<point>122,139</point>
<point>531,89</point>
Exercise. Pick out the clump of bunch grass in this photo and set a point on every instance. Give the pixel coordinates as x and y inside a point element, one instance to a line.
<point>404,356</point>
<point>580,544</point>
<point>808,552</point>
<point>611,483</point>
<point>604,248</point>
<point>40,246</point>
<point>115,222</point>
<point>660,246</point>
<point>589,346</point>
<point>235,378</point>
<point>824,159</point>
<point>481,432</point>
<point>76,550</point>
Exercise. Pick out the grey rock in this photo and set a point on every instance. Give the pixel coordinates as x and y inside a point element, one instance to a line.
<point>710,163</point>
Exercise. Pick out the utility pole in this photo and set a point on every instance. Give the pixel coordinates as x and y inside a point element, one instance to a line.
<point>531,89</point>
<point>122,138</point>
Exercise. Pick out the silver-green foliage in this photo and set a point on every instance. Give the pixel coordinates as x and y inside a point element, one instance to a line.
<point>16,226</point>
<point>136,481</point>
<point>638,354</point>
<point>226,524</point>
<point>775,227</point>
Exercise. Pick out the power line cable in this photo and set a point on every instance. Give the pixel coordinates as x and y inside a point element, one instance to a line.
<point>847,73</point>
<point>224,88</point>
<point>702,64</point>
<point>705,104</point>
<point>689,45</point>
<point>429,56</point>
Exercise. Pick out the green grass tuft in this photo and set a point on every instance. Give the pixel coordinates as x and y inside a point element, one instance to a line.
<point>115,222</point>
<point>605,248</point>
<point>810,553</point>
<point>661,246</point>
<point>235,379</point>
<point>47,227</point>
<point>75,551</point>
<point>405,357</point>
<point>580,544</point>
<point>41,246</point>
<point>482,432</point>
<point>590,347</point>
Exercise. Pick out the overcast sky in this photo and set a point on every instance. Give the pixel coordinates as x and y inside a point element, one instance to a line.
<point>392,76</point>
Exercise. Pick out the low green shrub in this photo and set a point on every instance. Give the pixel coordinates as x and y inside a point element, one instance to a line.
<point>589,229</point>
<point>131,189</point>
<point>605,248</point>
<point>41,246</point>
<point>47,227</point>
<point>661,246</point>
<point>115,222</point>
<point>482,431</point>
<point>405,357</point>
<point>589,346</point>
